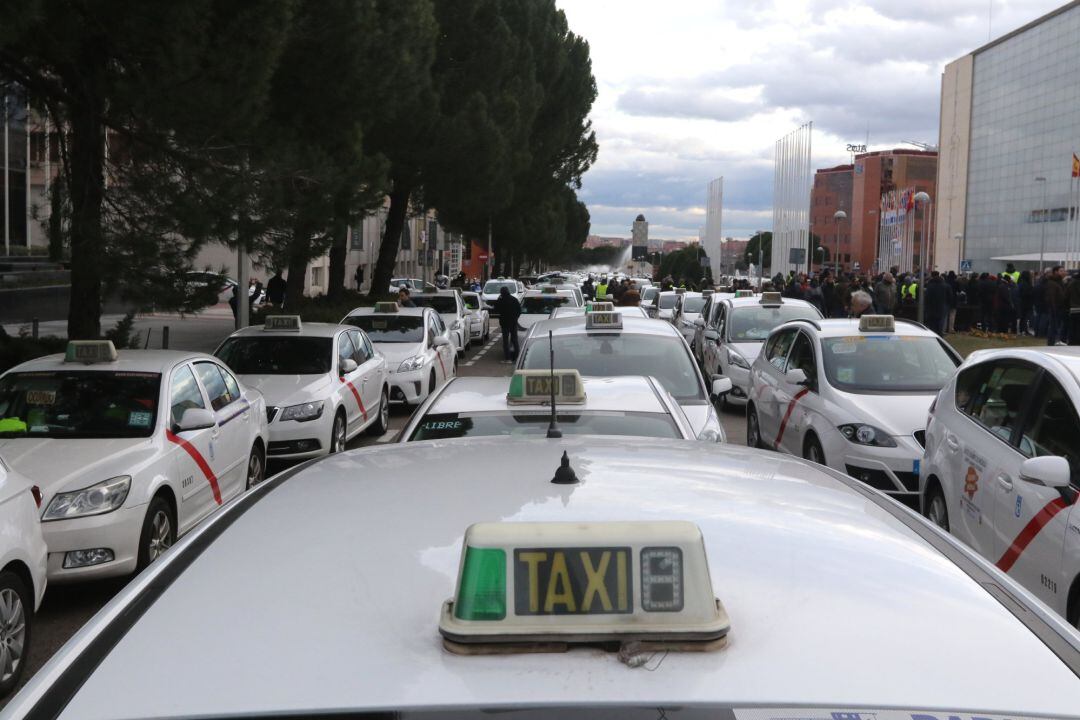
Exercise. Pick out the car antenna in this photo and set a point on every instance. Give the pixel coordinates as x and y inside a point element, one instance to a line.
<point>553,427</point>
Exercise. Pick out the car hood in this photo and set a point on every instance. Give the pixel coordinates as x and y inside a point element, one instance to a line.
<point>895,414</point>
<point>282,390</point>
<point>396,352</point>
<point>58,465</point>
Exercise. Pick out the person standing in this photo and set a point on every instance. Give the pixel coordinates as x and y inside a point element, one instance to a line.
<point>1072,308</point>
<point>275,290</point>
<point>1026,294</point>
<point>509,310</point>
<point>885,295</point>
<point>1054,298</point>
<point>936,303</point>
<point>359,277</point>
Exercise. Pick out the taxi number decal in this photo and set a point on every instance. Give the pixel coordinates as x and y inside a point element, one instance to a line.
<point>572,581</point>
<point>40,397</point>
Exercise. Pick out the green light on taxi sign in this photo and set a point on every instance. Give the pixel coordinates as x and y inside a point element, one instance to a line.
<point>482,589</point>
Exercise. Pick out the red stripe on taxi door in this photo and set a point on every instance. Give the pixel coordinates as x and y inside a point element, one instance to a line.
<point>199,460</point>
<point>363,410</point>
<point>787,415</point>
<point>1037,523</point>
<point>438,356</point>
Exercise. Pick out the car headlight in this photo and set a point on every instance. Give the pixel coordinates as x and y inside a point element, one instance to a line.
<point>737,360</point>
<point>410,364</point>
<point>861,434</point>
<point>709,435</point>
<point>97,499</point>
<point>304,412</point>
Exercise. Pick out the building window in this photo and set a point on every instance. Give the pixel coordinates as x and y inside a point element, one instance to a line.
<point>406,237</point>
<point>357,237</point>
<point>316,276</point>
<point>466,248</point>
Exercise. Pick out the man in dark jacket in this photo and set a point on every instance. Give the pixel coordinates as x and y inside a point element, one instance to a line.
<point>1054,298</point>
<point>275,290</point>
<point>509,310</point>
<point>937,303</point>
<point>1072,309</point>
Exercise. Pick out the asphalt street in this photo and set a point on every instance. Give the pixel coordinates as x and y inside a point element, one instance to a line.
<point>67,607</point>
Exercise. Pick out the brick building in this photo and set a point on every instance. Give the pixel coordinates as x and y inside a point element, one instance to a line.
<point>831,192</point>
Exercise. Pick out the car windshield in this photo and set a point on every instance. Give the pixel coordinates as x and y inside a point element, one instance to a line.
<point>493,286</point>
<point>887,363</point>
<point>649,293</point>
<point>389,328</point>
<point>79,404</point>
<point>753,324</point>
<point>277,355</point>
<point>667,301</point>
<point>443,426</point>
<point>471,301</point>
<point>693,305</point>
<point>612,355</point>
<point>442,304</point>
<point>542,305</point>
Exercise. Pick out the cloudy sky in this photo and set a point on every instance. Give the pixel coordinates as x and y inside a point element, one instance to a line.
<point>690,90</point>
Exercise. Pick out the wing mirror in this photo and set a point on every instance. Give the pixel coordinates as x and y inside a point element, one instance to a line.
<point>796,376</point>
<point>699,322</point>
<point>348,365</point>
<point>195,419</point>
<point>1050,470</point>
<point>440,341</point>
<point>711,334</point>
<point>720,385</point>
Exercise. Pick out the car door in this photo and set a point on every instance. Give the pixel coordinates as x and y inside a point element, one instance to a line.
<point>229,446</point>
<point>1031,521</point>
<point>352,399</point>
<point>713,351</point>
<point>768,379</point>
<point>994,405</point>
<point>371,369</point>
<point>796,402</point>
<point>699,331</point>
<point>196,482</point>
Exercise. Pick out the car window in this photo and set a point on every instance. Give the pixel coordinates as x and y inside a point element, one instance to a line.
<point>968,382</point>
<point>721,320</point>
<point>999,400</point>
<point>276,355</point>
<point>753,323</point>
<point>230,382</point>
<point>389,328</point>
<point>440,326</point>
<point>887,363</point>
<point>214,384</point>
<point>1052,427</point>
<point>345,349</point>
<point>777,350</point>
<point>802,356</point>
<point>363,351</point>
<point>184,393</point>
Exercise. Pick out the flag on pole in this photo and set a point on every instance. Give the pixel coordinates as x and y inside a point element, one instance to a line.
<point>1076,166</point>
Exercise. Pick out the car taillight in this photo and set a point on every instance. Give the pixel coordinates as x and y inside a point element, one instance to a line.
<point>36,492</point>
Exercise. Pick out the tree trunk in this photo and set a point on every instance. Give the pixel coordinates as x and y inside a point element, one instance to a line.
<point>296,280</point>
<point>339,250</point>
<point>388,248</point>
<point>87,193</point>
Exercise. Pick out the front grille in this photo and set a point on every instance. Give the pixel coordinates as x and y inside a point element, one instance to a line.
<point>289,447</point>
<point>920,437</point>
<point>271,413</point>
<point>880,480</point>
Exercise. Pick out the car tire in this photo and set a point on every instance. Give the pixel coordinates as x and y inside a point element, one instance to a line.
<point>812,450</point>
<point>937,511</point>
<point>16,624</point>
<point>753,429</point>
<point>158,531</point>
<point>382,423</point>
<point>338,433</point>
<point>256,467</point>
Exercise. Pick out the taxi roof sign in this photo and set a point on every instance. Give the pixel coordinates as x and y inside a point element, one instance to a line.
<point>744,293</point>
<point>877,323</point>
<point>549,290</point>
<point>772,298</point>
<point>89,352</point>
<point>603,320</point>
<point>386,307</point>
<point>600,306</point>
<point>289,323</point>
<point>533,387</point>
<point>680,291</point>
<point>707,292</point>
<point>566,583</point>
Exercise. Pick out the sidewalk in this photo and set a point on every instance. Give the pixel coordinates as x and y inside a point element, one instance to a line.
<point>201,332</point>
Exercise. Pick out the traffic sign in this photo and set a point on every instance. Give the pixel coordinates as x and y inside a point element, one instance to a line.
<point>965,266</point>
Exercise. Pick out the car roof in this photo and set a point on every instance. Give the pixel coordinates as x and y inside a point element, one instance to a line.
<point>158,361</point>
<point>488,394</point>
<point>307,329</point>
<point>575,325</point>
<point>400,311</point>
<point>1067,357</point>
<point>579,311</point>
<point>755,301</point>
<point>837,596</point>
<point>847,327</point>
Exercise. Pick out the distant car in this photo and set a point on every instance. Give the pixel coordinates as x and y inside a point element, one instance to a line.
<point>538,304</point>
<point>23,558</point>
<point>692,305</point>
<point>491,290</point>
<point>666,305</point>
<point>414,285</point>
<point>216,287</point>
<point>479,316</point>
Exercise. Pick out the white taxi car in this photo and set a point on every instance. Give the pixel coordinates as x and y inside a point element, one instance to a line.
<point>692,305</point>
<point>581,577</point>
<point>850,394</point>
<point>564,311</point>
<point>732,340</point>
<point>610,344</point>
<point>479,316</point>
<point>537,305</point>
<point>521,406</point>
<point>1001,469</point>
<point>709,312</point>
<point>416,343</point>
<point>130,449</point>
<point>22,573</point>
<point>665,305</point>
<point>492,288</point>
<point>451,308</point>
<point>324,384</point>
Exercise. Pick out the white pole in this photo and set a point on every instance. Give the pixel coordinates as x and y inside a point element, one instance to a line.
<point>243,303</point>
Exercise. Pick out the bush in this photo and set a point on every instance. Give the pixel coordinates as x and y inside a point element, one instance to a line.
<point>123,335</point>
<point>15,350</point>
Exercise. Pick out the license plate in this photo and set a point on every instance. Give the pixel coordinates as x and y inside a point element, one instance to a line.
<point>573,581</point>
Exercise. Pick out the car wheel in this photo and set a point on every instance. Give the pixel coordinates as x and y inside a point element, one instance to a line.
<point>812,450</point>
<point>382,424</point>
<point>937,511</point>
<point>753,429</point>
<point>16,619</point>
<point>337,434</point>
<point>256,469</point>
<point>158,531</point>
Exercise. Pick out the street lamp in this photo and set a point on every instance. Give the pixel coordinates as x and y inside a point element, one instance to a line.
<point>922,199</point>
<point>838,216</point>
<point>1045,218</point>
<point>821,259</point>
<point>760,268</point>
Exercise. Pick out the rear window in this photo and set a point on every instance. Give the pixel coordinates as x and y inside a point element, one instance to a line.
<point>493,286</point>
<point>542,305</point>
<point>277,355</point>
<point>389,328</point>
<point>443,304</point>
<point>471,302</point>
<point>535,424</point>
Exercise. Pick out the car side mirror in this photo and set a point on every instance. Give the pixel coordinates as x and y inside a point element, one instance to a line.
<point>195,419</point>
<point>711,334</point>
<point>348,365</point>
<point>439,341</point>
<point>796,376</point>
<point>699,322</point>
<point>720,385</point>
<point>1050,470</point>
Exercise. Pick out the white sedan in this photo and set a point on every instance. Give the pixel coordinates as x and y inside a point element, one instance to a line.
<point>850,394</point>
<point>324,384</point>
<point>537,305</point>
<point>23,558</point>
<point>1001,469</point>
<point>130,449</point>
<point>416,343</point>
<point>479,316</point>
<point>492,288</point>
<point>451,308</point>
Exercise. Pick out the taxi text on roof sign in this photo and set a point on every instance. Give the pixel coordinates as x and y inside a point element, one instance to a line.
<point>877,323</point>
<point>533,387</point>
<point>386,307</point>
<point>600,307</point>
<point>771,298</point>
<point>90,351</point>
<point>744,293</point>
<point>282,322</point>
<point>583,583</point>
<point>607,320</point>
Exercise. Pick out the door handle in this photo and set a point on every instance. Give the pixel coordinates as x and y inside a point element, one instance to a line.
<point>952,443</point>
<point>1005,482</point>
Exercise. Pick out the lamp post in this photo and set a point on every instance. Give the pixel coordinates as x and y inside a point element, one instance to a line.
<point>1044,219</point>
<point>959,251</point>
<point>821,258</point>
<point>838,216</point>
<point>922,199</point>
<point>760,254</point>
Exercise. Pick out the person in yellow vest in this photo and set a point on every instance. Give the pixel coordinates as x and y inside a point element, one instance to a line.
<point>601,289</point>
<point>1013,273</point>
<point>913,290</point>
